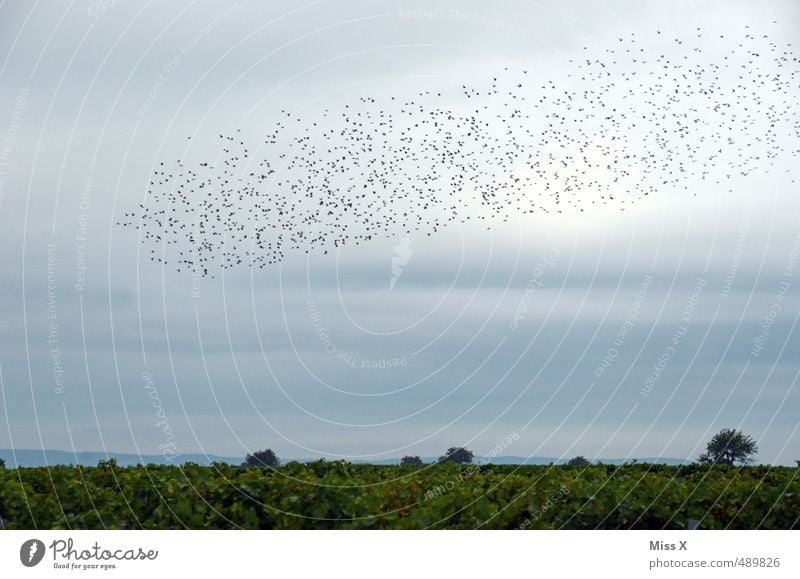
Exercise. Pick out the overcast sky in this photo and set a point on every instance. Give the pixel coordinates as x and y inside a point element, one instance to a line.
<point>565,329</point>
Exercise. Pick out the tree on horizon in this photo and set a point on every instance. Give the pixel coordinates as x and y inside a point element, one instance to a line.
<point>262,458</point>
<point>457,454</point>
<point>729,446</point>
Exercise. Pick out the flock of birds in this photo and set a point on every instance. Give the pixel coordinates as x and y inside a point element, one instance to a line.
<point>630,121</point>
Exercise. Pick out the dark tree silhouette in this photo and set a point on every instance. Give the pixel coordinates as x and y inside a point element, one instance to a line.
<point>2,463</point>
<point>411,461</point>
<point>578,461</point>
<point>729,446</point>
<point>262,458</point>
<point>457,454</point>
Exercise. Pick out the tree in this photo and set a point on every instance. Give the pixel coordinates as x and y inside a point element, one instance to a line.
<point>262,458</point>
<point>2,463</point>
<point>457,454</point>
<point>578,461</point>
<point>411,461</point>
<point>729,446</point>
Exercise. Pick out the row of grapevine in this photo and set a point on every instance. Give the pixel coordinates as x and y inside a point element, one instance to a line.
<point>337,495</point>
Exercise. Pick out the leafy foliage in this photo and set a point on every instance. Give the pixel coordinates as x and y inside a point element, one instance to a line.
<point>340,495</point>
<point>411,461</point>
<point>2,463</point>
<point>457,454</point>
<point>729,446</point>
<point>262,458</point>
<point>578,461</point>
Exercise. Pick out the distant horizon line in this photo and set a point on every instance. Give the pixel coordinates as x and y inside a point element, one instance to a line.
<point>45,457</point>
<point>174,457</point>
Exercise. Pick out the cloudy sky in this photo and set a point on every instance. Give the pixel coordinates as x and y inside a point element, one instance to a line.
<point>607,334</point>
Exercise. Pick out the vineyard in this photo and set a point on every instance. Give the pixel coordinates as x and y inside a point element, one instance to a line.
<point>338,495</point>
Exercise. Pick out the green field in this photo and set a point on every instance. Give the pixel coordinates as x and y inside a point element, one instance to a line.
<point>337,495</point>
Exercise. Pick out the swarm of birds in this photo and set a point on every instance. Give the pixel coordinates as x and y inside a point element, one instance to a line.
<point>619,125</point>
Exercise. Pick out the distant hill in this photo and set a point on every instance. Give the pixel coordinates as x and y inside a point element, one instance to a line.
<point>30,458</point>
<point>550,459</point>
